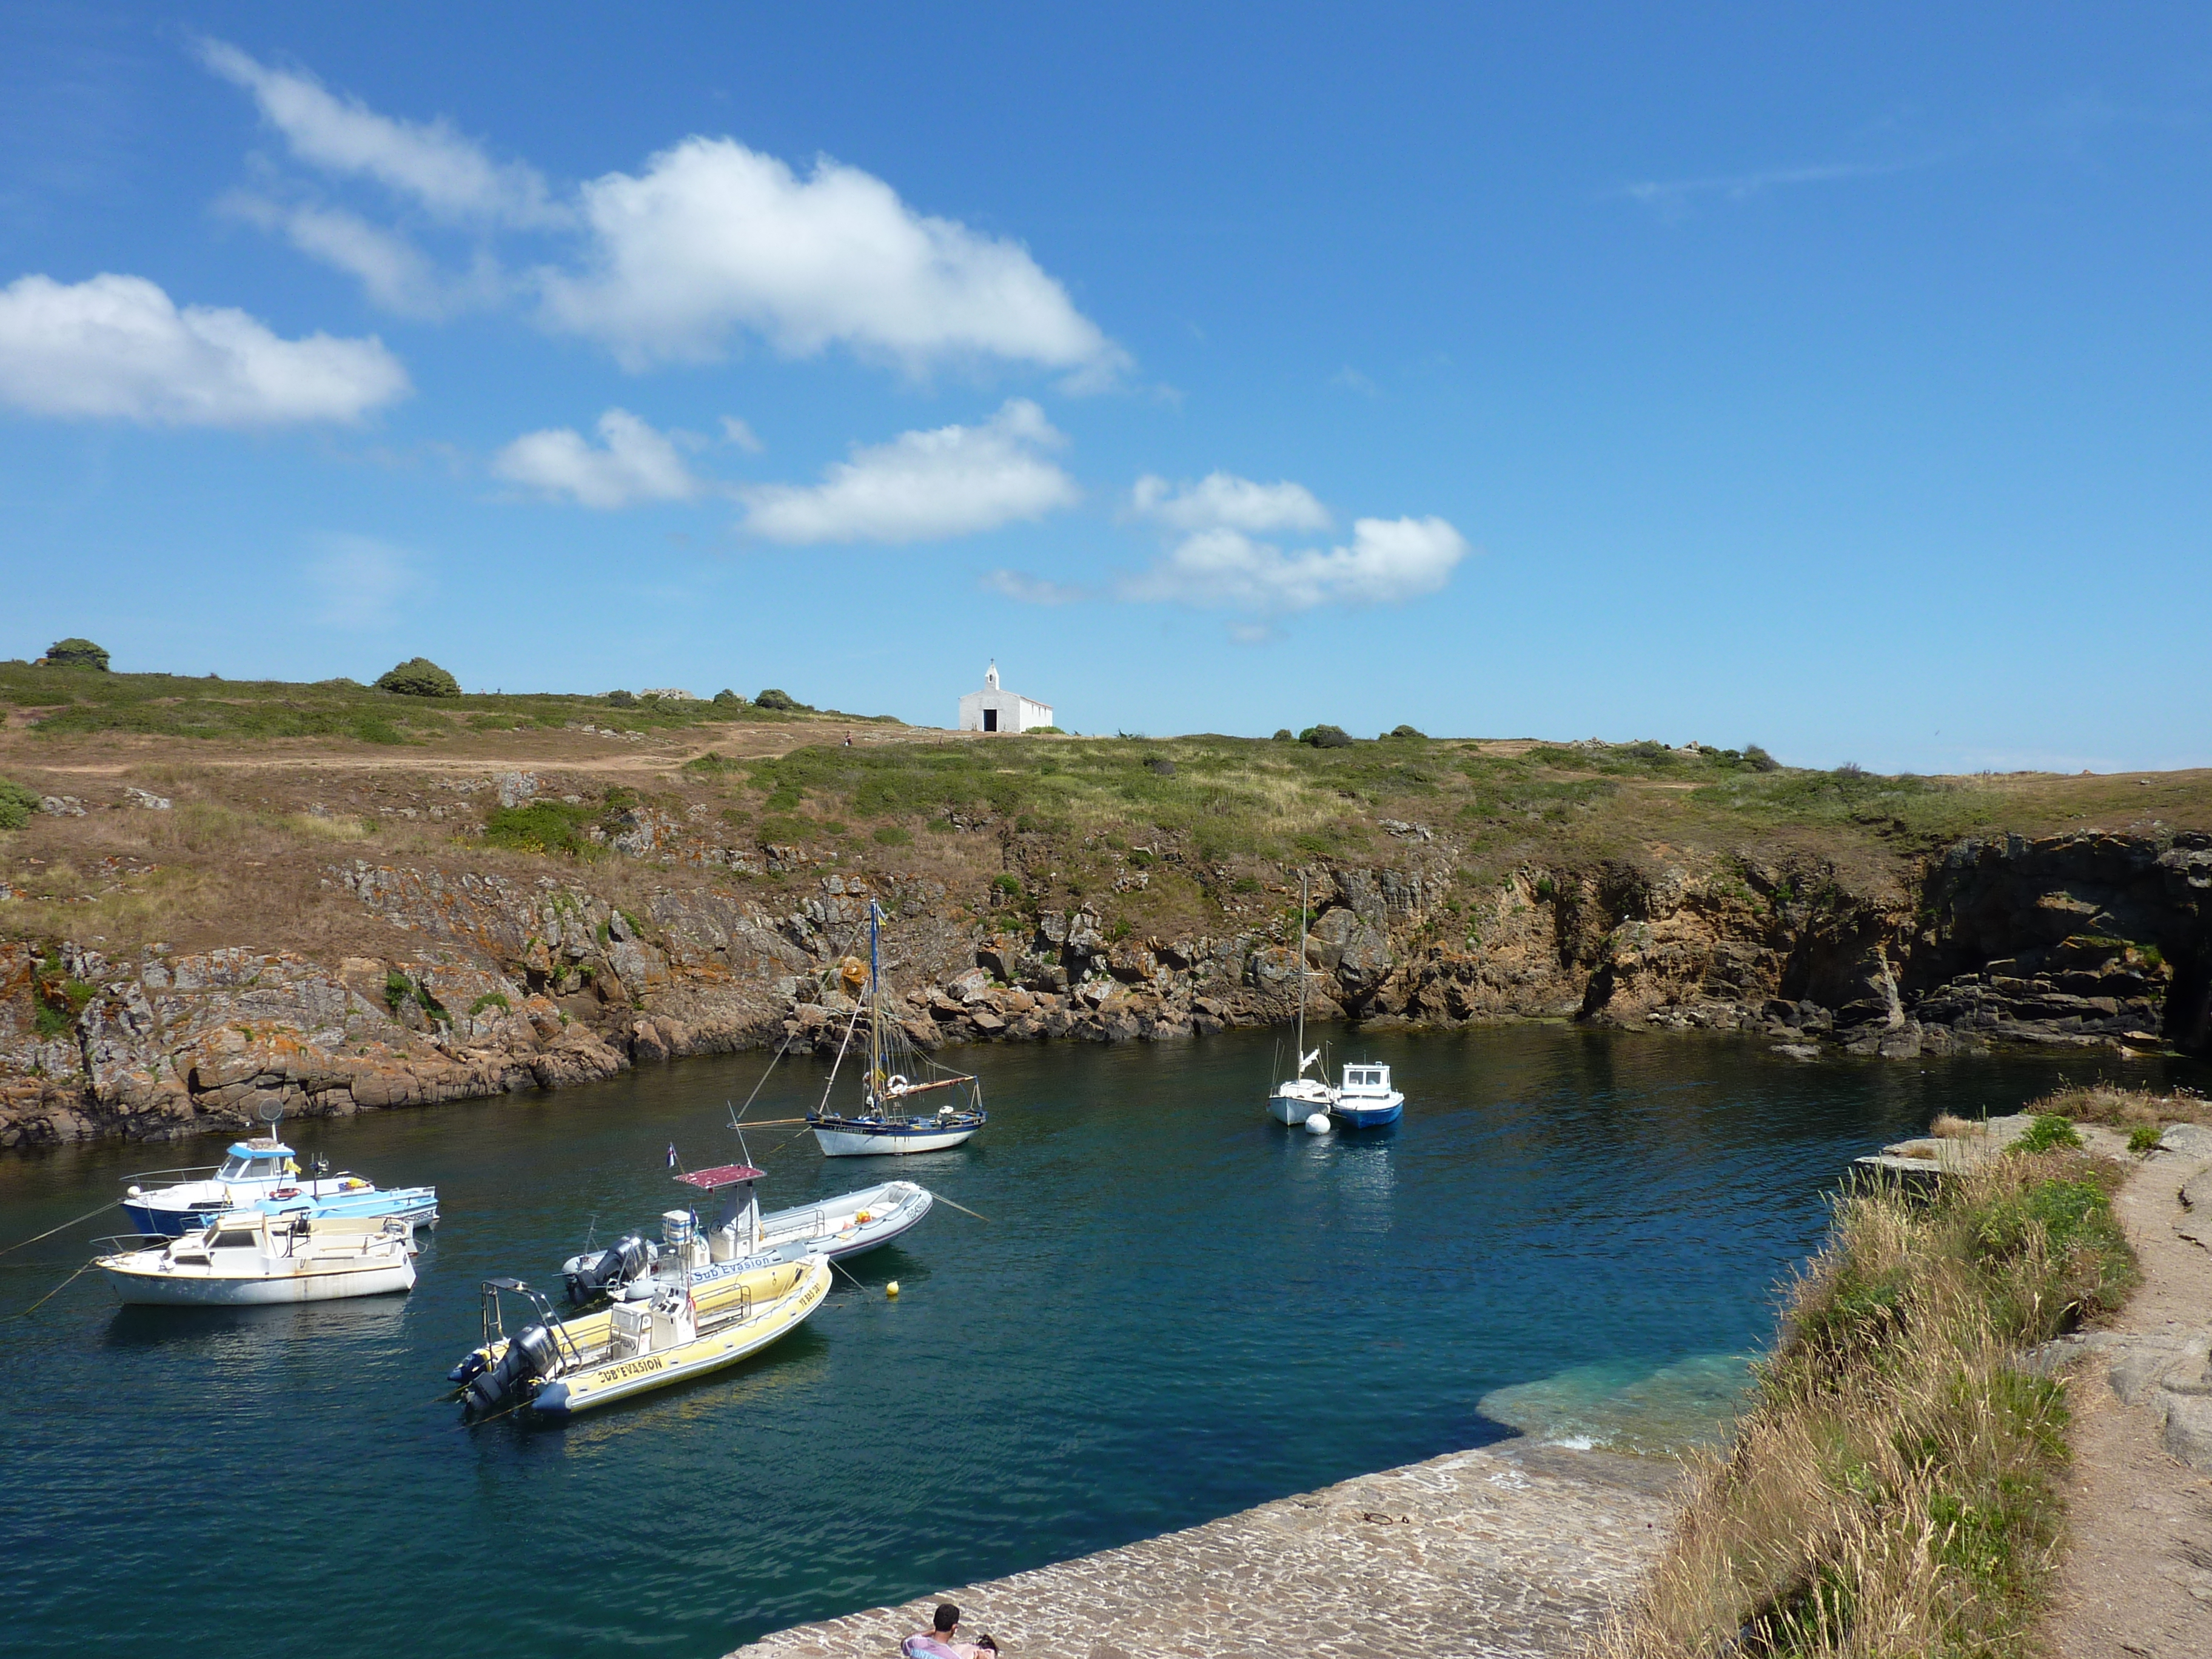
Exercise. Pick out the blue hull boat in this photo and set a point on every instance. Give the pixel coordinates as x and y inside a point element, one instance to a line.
<point>263,1175</point>
<point>1367,1101</point>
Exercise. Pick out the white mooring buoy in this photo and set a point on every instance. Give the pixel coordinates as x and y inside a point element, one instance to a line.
<point>1317,1124</point>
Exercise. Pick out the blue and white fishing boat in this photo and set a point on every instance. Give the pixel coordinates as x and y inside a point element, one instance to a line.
<point>898,1076</point>
<point>1367,1101</point>
<point>264,1174</point>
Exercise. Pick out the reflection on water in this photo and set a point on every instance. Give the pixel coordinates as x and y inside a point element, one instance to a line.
<point>1177,1308</point>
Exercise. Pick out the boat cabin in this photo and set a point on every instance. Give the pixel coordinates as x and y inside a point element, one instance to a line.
<point>1366,1081</point>
<point>257,1160</point>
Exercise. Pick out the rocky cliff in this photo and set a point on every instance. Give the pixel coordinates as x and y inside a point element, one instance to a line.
<point>2074,941</point>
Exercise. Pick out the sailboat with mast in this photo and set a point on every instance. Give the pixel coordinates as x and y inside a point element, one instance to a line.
<point>1298,1098</point>
<point>909,1103</point>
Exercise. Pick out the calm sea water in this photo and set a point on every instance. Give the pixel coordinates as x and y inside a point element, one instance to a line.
<point>1176,1309</point>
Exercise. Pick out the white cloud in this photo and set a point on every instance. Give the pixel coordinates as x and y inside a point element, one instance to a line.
<point>117,346</point>
<point>396,274</point>
<point>636,465</point>
<point>1670,197</point>
<point>714,238</point>
<point>358,582</point>
<point>1032,590</point>
<point>1389,560</point>
<point>429,163</point>
<point>923,486</point>
<point>1221,500</point>
<point>742,435</point>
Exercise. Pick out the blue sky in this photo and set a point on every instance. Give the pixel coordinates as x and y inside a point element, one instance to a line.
<point>1833,380</point>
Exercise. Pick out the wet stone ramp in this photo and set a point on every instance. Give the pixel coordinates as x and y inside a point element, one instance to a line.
<point>1511,1550</point>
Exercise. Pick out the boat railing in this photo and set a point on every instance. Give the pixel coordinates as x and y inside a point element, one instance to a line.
<point>159,1175</point>
<point>805,1223</point>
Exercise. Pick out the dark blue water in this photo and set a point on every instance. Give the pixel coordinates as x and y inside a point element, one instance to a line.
<point>1176,1309</point>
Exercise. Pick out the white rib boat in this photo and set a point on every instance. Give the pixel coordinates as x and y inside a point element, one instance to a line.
<point>245,1258</point>
<point>742,1237</point>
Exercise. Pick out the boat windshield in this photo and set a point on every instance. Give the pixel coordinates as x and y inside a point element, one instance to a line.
<point>234,1169</point>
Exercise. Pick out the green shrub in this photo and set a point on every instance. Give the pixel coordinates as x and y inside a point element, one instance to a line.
<point>16,804</point>
<point>727,698</point>
<point>75,653</point>
<point>2143,1138</point>
<point>620,699</point>
<point>2047,1133</point>
<point>1405,731</point>
<point>491,1000</point>
<point>418,677</point>
<point>542,826</point>
<point>1007,886</point>
<point>1284,734</point>
<point>1759,760</point>
<point>782,702</point>
<point>892,835</point>
<point>1325,737</point>
<point>397,989</point>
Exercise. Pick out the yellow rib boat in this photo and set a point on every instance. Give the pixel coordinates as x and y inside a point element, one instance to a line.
<point>555,1368</point>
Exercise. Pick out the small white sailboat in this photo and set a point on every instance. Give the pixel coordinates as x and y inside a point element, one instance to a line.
<point>1298,1099</point>
<point>898,1076</point>
<point>245,1258</point>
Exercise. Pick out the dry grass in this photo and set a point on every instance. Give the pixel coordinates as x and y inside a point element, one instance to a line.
<point>1948,1125</point>
<point>1892,1492</point>
<point>2125,1108</point>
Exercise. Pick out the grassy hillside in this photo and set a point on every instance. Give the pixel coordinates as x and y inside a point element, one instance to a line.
<point>76,702</point>
<point>1162,836</point>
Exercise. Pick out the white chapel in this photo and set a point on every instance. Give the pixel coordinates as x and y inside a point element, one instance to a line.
<point>994,710</point>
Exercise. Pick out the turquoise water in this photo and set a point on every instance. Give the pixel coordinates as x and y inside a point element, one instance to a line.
<point>1176,1309</point>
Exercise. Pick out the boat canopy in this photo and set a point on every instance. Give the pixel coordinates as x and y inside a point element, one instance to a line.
<point>726,1175</point>
<point>263,1149</point>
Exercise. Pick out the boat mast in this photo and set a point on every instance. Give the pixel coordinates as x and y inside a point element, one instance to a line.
<point>875,1008</point>
<point>1301,973</point>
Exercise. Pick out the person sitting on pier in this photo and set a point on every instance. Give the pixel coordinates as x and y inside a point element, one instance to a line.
<point>937,1641</point>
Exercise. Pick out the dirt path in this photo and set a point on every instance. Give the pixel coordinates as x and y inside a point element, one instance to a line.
<point>2138,1576</point>
<point>466,753</point>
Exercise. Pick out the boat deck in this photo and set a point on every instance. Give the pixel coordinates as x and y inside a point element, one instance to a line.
<point>1515,1549</point>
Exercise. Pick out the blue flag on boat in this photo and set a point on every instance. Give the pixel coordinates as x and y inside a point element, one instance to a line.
<point>671,1154</point>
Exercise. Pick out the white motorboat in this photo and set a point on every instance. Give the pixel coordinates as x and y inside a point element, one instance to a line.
<point>1367,1101</point>
<point>245,1258</point>
<point>1297,1098</point>
<point>898,1076</point>
<point>846,1226</point>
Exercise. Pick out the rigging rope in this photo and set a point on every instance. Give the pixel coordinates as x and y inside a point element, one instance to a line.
<point>64,1228</point>
<point>58,1289</point>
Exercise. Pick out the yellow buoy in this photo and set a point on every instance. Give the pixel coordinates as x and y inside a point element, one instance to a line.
<point>892,1290</point>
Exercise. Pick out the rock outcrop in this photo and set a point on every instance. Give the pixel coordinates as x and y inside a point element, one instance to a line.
<point>2070,941</point>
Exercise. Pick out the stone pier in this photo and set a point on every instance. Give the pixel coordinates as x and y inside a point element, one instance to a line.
<point>1516,1549</point>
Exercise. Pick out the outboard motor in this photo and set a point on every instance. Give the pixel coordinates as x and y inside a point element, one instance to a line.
<point>533,1353</point>
<point>609,1270</point>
